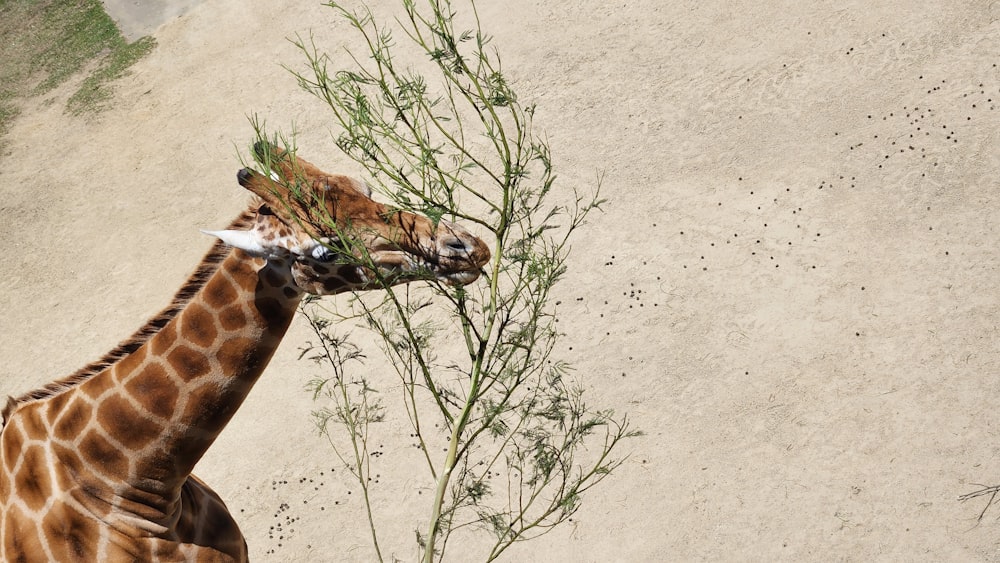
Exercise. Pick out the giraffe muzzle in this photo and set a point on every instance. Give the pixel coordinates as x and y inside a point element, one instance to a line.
<point>459,250</point>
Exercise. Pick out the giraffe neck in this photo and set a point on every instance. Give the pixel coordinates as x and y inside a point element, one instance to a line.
<point>144,422</point>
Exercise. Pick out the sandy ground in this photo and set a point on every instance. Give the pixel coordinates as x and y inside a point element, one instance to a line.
<point>793,291</point>
<point>136,18</point>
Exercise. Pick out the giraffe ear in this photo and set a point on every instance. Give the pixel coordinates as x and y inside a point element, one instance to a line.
<point>247,241</point>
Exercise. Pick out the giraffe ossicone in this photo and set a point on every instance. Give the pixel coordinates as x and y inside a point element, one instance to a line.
<point>97,466</point>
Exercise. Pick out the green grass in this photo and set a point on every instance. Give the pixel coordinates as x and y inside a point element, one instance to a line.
<point>44,42</point>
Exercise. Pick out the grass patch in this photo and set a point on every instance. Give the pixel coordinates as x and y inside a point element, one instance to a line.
<point>48,41</point>
<point>94,91</point>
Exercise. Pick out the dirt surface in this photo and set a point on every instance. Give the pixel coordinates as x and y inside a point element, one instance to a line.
<point>793,291</point>
<point>137,18</point>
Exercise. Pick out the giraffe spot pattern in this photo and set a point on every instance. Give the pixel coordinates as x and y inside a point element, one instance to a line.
<point>13,442</point>
<point>212,523</point>
<point>273,278</point>
<point>330,285</point>
<point>188,363</point>
<point>78,477</point>
<point>219,292</point>
<point>75,468</point>
<point>34,429</point>
<point>272,310</point>
<point>129,426</point>
<point>70,534</point>
<point>198,326</point>
<point>154,390</point>
<point>4,492</point>
<point>97,386</point>
<point>242,274</point>
<point>20,537</point>
<point>210,407</point>
<point>232,318</point>
<point>75,416</point>
<point>56,405</point>
<point>163,340</point>
<point>32,480</point>
<point>240,357</point>
<point>103,456</point>
<point>129,363</point>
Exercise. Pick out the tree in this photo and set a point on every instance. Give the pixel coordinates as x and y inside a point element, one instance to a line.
<point>461,146</point>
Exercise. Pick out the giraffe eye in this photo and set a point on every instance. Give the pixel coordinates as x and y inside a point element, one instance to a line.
<point>322,254</point>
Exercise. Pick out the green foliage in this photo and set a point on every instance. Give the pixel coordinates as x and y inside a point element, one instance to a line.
<point>94,91</point>
<point>461,146</point>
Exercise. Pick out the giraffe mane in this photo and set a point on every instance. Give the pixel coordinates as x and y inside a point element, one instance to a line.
<point>208,266</point>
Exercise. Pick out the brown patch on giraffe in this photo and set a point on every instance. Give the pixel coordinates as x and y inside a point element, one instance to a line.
<point>75,417</point>
<point>126,424</point>
<point>4,489</point>
<point>242,356</point>
<point>198,326</point>
<point>13,442</point>
<point>232,318</point>
<point>154,390</point>
<point>95,388</point>
<point>32,481</point>
<point>331,285</point>
<point>243,274</point>
<point>272,309</point>
<point>234,352</point>
<point>129,364</point>
<point>219,292</point>
<point>34,429</point>
<point>80,480</point>
<point>222,524</point>
<point>103,456</point>
<point>56,405</point>
<point>164,340</point>
<point>273,277</point>
<point>188,363</point>
<point>71,534</point>
<point>75,469</point>
<point>21,542</point>
<point>290,292</point>
<point>210,406</point>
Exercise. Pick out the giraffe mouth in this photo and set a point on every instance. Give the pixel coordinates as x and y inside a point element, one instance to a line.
<point>398,263</point>
<point>459,278</point>
<point>449,270</point>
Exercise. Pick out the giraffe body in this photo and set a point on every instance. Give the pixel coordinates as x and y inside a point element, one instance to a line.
<point>97,466</point>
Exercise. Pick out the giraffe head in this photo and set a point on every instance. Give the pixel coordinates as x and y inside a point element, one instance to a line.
<point>339,239</point>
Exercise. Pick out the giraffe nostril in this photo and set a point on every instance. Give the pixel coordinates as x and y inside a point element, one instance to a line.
<point>453,245</point>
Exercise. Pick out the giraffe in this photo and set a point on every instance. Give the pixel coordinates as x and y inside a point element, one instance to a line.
<point>97,466</point>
